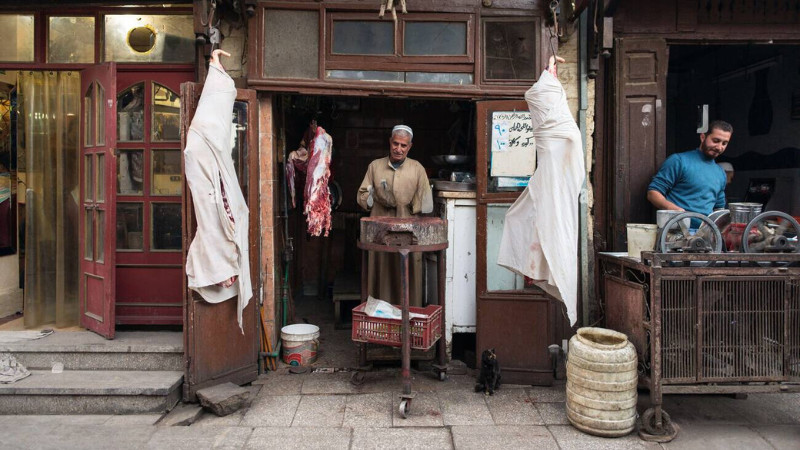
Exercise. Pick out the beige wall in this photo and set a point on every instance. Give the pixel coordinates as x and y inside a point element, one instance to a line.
<point>234,43</point>
<point>10,294</point>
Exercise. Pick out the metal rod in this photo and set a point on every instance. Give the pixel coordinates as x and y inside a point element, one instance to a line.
<point>404,281</point>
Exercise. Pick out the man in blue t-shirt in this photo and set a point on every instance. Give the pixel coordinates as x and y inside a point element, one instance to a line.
<point>693,181</point>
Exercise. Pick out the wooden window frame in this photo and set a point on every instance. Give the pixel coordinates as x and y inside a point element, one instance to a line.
<point>538,46</point>
<point>41,29</point>
<point>398,61</point>
<point>322,85</point>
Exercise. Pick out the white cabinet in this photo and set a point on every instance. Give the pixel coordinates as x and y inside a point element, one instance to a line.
<point>460,277</point>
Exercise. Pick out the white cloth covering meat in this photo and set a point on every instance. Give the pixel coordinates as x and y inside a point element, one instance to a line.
<point>219,250</point>
<point>540,235</point>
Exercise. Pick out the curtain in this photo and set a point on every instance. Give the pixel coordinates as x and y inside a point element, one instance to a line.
<point>49,154</point>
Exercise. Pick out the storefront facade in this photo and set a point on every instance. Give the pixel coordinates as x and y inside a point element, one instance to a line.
<point>443,69</point>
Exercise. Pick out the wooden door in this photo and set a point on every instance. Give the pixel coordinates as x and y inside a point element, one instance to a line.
<point>514,317</point>
<point>215,349</point>
<point>640,130</point>
<point>98,215</point>
<point>148,228</point>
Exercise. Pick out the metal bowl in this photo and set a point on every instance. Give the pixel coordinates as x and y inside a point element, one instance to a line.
<point>452,160</point>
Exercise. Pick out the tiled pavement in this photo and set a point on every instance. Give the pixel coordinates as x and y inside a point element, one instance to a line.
<point>326,411</point>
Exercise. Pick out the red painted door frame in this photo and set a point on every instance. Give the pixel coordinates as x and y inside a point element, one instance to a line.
<point>149,282</point>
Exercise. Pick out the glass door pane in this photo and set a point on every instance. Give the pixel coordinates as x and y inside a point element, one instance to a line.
<point>166,120</point>
<point>130,114</point>
<point>498,278</point>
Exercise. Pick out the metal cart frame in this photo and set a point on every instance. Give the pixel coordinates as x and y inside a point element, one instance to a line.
<point>725,323</point>
<point>441,345</point>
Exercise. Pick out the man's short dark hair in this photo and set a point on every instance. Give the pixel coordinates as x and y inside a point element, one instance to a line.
<point>720,125</point>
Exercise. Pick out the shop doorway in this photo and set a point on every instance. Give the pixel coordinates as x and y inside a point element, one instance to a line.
<point>756,88</point>
<point>325,272</point>
<point>78,255</point>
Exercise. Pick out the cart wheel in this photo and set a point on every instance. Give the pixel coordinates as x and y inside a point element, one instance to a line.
<point>651,432</point>
<point>405,407</point>
<point>357,378</point>
<point>442,375</point>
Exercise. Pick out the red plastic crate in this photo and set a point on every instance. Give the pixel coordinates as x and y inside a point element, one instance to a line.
<point>376,330</point>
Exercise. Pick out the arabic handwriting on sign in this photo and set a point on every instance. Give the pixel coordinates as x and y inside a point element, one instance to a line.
<point>500,130</point>
<point>523,127</point>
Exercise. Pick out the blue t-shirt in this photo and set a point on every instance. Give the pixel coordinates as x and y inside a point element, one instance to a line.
<point>692,181</point>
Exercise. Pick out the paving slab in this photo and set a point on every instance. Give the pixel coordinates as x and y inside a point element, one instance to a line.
<point>553,413</point>
<point>569,437</point>
<point>717,437</point>
<point>95,382</point>
<point>703,409</point>
<point>279,384</point>
<point>209,419</point>
<point>503,437</point>
<point>513,407</point>
<point>547,394</point>
<point>11,421</point>
<point>133,419</point>
<point>780,436</point>
<point>271,411</point>
<point>43,437</point>
<point>425,411</point>
<point>299,437</point>
<point>320,411</point>
<point>183,415</point>
<point>86,341</point>
<point>769,409</point>
<point>191,438</point>
<point>402,438</point>
<point>368,410</point>
<point>464,408</point>
<point>324,383</point>
<point>224,398</point>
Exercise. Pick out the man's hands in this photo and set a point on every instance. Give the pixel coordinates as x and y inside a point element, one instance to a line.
<point>660,202</point>
<point>385,196</point>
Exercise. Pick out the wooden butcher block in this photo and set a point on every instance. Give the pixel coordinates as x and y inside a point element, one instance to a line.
<point>403,231</point>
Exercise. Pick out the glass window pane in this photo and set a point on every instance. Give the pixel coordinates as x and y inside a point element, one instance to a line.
<point>130,172</point>
<point>435,38</point>
<point>130,220</point>
<point>99,243</point>
<point>70,40</point>
<point>166,120</point>
<point>88,177</point>
<point>100,98</point>
<point>352,37</point>
<point>439,78</point>
<point>166,227</point>
<point>166,167</point>
<point>16,33</point>
<point>101,178</point>
<point>510,50</point>
<point>149,38</point>
<point>130,114</point>
<point>498,278</point>
<point>88,117</point>
<point>291,44</point>
<point>88,234</point>
<point>366,75</point>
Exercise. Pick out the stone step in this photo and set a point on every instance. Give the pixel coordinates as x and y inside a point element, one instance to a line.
<point>92,392</point>
<point>84,350</point>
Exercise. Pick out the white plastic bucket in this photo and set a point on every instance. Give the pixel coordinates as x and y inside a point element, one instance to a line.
<point>641,237</point>
<point>300,344</point>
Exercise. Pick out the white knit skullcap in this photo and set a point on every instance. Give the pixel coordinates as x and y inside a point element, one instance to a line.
<point>726,166</point>
<point>405,128</point>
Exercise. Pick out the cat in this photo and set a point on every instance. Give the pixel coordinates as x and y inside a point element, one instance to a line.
<point>489,378</point>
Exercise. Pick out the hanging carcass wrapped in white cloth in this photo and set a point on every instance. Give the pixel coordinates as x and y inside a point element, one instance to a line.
<point>217,263</point>
<point>540,235</point>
